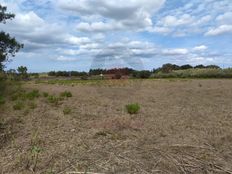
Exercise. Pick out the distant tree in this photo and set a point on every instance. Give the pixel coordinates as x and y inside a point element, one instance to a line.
<point>167,68</point>
<point>52,73</point>
<point>22,70</point>
<point>183,67</point>
<point>142,74</point>
<point>213,67</point>
<point>8,45</point>
<point>199,67</point>
<point>117,76</point>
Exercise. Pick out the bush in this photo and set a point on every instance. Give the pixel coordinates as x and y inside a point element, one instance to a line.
<point>67,111</point>
<point>45,94</point>
<point>117,76</point>
<point>2,100</point>
<point>66,94</point>
<point>33,94</point>
<point>18,106</point>
<point>53,99</point>
<point>133,108</point>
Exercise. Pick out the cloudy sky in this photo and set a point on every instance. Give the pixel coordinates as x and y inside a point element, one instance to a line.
<point>141,34</point>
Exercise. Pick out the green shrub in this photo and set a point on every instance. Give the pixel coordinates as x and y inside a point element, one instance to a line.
<point>45,94</point>
<point>133,108</point>
<point>33,94</point>
<point>67,111</point>
<point>66,94</point>
<point>2,100</point>
<point>53,99</point>
<point>18,106</point>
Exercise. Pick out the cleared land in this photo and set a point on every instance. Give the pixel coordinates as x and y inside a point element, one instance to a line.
<point>184,126</point>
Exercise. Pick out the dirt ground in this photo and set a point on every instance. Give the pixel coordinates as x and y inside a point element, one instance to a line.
<point>184,126</point>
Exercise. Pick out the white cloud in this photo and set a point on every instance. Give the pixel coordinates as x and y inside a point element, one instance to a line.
<point>64,59</point>
<point>170,21</point>
<point>163,30</point>
<point>175,52</point>
<point>196,17</point>
<point>223,29</point>
<point>225,18</point>
<point>200,48</point>
<point>112,15</point>
<point>77,40</point>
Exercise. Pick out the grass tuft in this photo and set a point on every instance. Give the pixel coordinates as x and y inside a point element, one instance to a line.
<point>45,94</point>
<point>67,111</point>
<point>33,94</point>
<point>2,100</point>
<point>133,108</point>
<point>18,106</point>
<point>66,94</point>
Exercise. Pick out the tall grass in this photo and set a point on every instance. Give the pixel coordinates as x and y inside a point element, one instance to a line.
<point>197,73</point>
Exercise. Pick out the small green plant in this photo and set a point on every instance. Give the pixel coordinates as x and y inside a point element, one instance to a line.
<point>133,108</point>
<point>33,94</point>
<point>53,99</point>
<point>35,150</point>
<point>66,94</point>
<point>67,111</point>
<point>18,106</point>
<point>2,100</point>
<point>45,94</point>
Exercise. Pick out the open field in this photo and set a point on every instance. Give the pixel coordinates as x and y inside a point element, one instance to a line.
<point>184,126</point>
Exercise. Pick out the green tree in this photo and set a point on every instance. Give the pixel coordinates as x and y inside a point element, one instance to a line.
<point>8,45</point>
<point>22,70</point>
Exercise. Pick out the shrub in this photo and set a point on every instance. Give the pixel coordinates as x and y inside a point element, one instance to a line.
<point>2,100</point>
<point>18,106</point>
<point>67,111</point>
<point>53,99</point>
<point>33,94</point>
<point>45,94</point>
<point>133,108</point>
<point>117,76</point>
<point>66,94</point>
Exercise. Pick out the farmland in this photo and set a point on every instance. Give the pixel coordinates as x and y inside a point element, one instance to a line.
<point>182,126</point>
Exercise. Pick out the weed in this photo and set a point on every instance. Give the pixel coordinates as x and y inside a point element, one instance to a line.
<point>133,108</point>
<point>35,150</point>
<point>2,100</point>
<point>33,94</point>
<point>53,99</point>
<point>67,111</point>
<point>18,106</point>
<point>101,133</point>
<point>66,94</point>
<point>45,94</point>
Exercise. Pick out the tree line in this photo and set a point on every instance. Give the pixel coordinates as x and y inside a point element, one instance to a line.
<point>119,72</point>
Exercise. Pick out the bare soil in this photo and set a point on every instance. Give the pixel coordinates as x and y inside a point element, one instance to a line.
<point>184,126</point>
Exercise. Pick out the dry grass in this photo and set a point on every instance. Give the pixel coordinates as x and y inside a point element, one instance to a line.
<point>182,127</point>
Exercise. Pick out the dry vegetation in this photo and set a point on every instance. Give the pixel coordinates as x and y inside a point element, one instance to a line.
<point>183,126</point>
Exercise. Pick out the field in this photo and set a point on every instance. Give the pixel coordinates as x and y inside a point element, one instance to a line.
<point>183,126</point>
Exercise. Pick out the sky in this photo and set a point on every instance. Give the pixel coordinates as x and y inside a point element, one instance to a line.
<point>140,34</point>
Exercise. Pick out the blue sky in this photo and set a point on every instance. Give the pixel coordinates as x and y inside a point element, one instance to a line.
<point>141,34</point>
